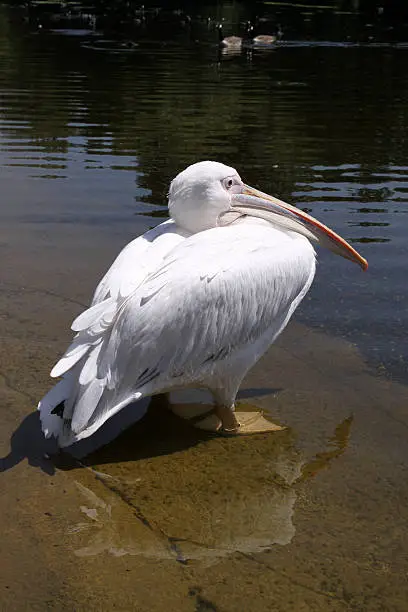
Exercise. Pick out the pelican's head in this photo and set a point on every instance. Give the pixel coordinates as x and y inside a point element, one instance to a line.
<point>209,194</point>
<point>201,193</point>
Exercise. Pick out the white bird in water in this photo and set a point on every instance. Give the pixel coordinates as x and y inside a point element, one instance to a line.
<point>233,42</point>
<point>266,40</point>
<point>194,302</point>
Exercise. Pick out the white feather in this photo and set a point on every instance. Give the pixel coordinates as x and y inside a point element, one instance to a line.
<point>136,260</point>
<point>93,315</point>
<point>76,351</point>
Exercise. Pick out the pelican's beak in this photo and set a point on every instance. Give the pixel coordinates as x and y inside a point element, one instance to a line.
<point>258,204</point>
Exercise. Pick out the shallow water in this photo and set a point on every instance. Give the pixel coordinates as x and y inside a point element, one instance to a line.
<point>165,517</point>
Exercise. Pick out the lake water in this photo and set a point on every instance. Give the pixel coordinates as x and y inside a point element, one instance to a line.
<point>165,518</point>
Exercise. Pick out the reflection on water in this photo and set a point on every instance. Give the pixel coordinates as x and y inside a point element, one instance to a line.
<point>323,126</point>
<point>205,510</point>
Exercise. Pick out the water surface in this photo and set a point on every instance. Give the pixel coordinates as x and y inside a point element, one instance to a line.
<point>309,518</point>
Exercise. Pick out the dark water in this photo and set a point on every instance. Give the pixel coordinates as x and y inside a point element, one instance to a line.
<point>91,133</point>
<point>103,132</point>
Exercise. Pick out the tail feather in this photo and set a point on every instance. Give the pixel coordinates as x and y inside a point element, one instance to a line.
<point>139,410</point>
<point>55,422</point>
<point>71,410</point>
<point>51,422</point>
<point>86,403</point>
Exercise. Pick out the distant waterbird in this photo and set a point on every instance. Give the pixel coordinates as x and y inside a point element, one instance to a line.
<point>233,42</point>
<point>266,40</point>
<point>194,302</point>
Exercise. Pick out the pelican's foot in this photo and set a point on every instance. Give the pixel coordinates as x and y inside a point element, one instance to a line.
<point>254,422</point>
<point>229,424</point>
<point>223,420</point>
<point>242,423</point>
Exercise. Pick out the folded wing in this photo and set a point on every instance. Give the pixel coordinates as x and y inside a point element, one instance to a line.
<point>135,262</point>
<point>214,295</point>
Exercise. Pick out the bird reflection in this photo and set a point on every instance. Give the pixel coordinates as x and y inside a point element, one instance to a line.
<point>190,508</point>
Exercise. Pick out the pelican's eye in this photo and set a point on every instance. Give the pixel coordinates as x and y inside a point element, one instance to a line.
<point>228,183</point>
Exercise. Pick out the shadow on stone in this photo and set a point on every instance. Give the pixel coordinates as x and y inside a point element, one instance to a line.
<point>160,432</point>
<point>28,442</point>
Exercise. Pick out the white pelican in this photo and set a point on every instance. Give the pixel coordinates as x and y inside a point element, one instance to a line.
<point>194,302</point>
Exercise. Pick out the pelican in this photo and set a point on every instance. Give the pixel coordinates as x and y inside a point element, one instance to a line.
<point>194,302</point>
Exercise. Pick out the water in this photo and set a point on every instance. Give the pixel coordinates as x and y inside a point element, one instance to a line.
<point>91,133</point>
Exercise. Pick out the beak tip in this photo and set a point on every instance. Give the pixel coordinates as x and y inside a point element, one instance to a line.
<point>364,264</point>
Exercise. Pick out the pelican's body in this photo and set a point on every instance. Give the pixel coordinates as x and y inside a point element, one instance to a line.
<point>194,302</point>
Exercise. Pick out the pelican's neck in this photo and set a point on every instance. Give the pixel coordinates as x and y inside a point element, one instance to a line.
<point>281,232</point>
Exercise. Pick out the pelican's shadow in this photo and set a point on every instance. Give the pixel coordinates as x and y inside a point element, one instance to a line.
<point>159,432</point>
<point>28,442</point>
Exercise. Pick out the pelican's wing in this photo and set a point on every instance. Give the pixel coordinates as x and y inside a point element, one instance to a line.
<point>131,267</point>
<point>136,260</point>
<point>215,294</point>
<point>133,264</point>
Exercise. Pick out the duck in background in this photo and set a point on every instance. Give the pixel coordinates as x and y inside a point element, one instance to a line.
<point>267,40</point>
<point>234,42</point>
